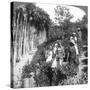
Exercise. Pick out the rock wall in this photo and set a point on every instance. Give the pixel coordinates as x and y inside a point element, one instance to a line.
<point>25,46</point>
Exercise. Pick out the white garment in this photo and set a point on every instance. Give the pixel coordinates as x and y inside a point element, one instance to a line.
<point>54,64</point>
<point>75,38</point>
<point>54,50</point>
<point>49,57</point>
<point>72,40</point>
<point>75,44</point>
<point>61,61</point>
<point>76,48</point>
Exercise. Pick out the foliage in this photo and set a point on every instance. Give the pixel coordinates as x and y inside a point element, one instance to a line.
<point>83,26</point>
<point>43,78</point>
<point>26,16</point>
<point>66,28</point>
<point>78,79</point>
<point>55,32</point>
<point>27,69</point>
<point>32,15</point>
<point>39,56</point>
<point>70,69</point>
<point>46,75</point>
<point>63,15</point>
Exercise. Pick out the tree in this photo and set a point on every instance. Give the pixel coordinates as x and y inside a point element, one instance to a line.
<point>55,32</point>
<point>30,15</point>
<point>63,16</point>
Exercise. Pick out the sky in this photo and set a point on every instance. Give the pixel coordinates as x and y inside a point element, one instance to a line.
<point>75,11</point>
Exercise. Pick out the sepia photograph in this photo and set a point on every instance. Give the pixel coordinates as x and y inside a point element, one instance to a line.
<point>48,44</point>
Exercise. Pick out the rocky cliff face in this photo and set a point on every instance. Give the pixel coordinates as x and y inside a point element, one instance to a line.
<point>25,47</point>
